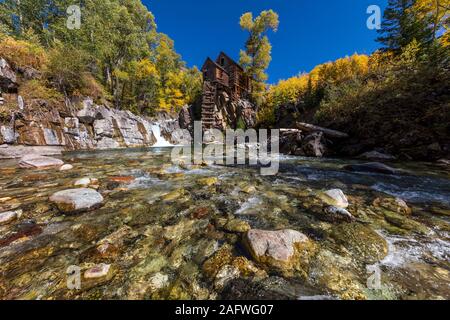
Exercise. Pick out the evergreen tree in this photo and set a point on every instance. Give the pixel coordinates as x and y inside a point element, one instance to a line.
<point>402,24</point>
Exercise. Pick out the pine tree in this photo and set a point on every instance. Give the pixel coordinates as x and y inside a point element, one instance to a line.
<point>402,24</point>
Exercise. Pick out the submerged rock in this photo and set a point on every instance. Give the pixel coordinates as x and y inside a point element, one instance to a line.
<point>364,244</point>
<point>225,275</point>
<point>278,249</point>
<point>221,258</point>
<point>34,161</point>
<point>77,200</point>
<point>122,179</point>
<point>9,216</point>
<point>97,272</point>
<point>373,167</point>
<point>395,205</point>
<point>405,223</point>
<point>236,225</point>
<point>208,181</point>
<point>335,197</point>
<point>158,281</point>
<point>86,182</point>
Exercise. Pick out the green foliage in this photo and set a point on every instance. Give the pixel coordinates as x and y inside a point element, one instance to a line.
<point>257,55</point>
<point>66,68</point>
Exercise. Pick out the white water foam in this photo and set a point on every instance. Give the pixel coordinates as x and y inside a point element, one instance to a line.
<point>404,250</point>
<point>161,142</point>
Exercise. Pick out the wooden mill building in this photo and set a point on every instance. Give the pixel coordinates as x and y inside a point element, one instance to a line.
<point>222,76</point>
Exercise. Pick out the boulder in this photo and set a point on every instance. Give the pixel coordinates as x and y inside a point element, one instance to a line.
<point>335,197</point>
<point>373,167</point>
<point>314,145</point>
<point>77,200</point>
<point>363,243</point>
<point>35,161</point>
<point>208,182</point>
<point>277,249</point>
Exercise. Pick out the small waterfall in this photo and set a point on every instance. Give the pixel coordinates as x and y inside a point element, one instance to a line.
<point>160,140</point>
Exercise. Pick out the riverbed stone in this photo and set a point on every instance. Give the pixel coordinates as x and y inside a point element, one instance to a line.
<point>335,197</point>
<point>237,225</point>
<point>225,275</point>
<point>86,182</point>
<point>66,167</point>
<point>405,223</point>
<point>208,182</point>
<point>283,250</point>
<point>362,242</point>
<point>393,204</point>
<point>35,161</point>
<point>77,200</point>
<point>9,216</point>
<point>99,271</point>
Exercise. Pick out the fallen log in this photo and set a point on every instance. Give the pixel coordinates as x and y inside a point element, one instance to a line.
<point>327,132</point>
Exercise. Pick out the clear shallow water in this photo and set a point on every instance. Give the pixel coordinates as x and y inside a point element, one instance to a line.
<point>164,224</point>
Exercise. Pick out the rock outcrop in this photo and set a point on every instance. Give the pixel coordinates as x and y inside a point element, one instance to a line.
<point>299,143</point>
<point>8,78</point>
<point>86,127</point>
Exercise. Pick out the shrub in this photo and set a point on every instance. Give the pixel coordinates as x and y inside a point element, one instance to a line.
<point>67,69</point>
<point>39,89</point>
<point>21,53</point>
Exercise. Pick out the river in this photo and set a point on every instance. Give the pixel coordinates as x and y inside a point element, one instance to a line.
<point>163,226</point>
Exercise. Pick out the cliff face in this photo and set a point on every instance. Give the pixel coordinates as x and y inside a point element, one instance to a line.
<point>91,127</point>
<point>39,126</point>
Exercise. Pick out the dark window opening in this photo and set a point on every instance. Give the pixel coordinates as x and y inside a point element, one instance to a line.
<point>222,62</point>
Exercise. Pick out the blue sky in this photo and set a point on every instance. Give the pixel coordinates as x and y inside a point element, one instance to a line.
<point>311,31</point>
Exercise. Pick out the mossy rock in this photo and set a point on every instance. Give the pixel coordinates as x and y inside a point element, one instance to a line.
<point>405,223</point>
<point>365,244</point>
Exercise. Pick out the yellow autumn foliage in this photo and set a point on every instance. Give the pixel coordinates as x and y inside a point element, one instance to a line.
<point>293,89</point>
<point>21,53</point>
